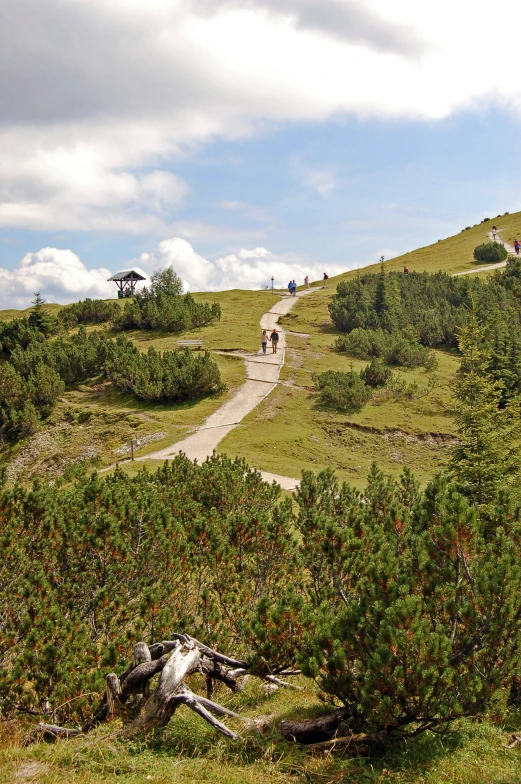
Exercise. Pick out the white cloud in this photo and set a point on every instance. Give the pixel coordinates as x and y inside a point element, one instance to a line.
<point>246,269</point>
<point>96,96</point>
<point>59,275</point>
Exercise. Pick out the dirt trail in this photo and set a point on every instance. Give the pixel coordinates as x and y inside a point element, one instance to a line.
<point>497,238</point>
<point>262,375</point>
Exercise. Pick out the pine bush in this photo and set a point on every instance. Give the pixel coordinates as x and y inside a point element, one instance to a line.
<point>413,613</point>
<point>490,252</point>
<point>343,391</point>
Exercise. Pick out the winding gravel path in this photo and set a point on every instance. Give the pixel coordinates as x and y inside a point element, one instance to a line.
<point>262,375</point>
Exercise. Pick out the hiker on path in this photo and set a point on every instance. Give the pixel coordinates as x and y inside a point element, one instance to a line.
<point>290,287</point>
<point>494,230</point>
<point>517,246</point>
<point>306,282</point>
<point>293,288</point>
<point>326,278</point>
<point>264,340</point>
<point>274,337</point>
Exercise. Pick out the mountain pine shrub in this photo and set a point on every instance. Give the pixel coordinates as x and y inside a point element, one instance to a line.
<point>162,377</point>
<point>490,252</point>
<point>412,615</point>
<point>89,311</point>
<point>376,374</point>
<point>342,391</point>
<point>93,565</point>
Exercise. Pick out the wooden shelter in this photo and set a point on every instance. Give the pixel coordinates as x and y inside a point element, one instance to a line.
<point>126,282</point>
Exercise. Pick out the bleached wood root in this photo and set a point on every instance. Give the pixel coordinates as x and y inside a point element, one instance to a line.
<point>128,696</point>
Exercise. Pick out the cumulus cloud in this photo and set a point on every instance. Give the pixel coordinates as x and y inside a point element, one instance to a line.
<point>246,269</point>
<point>97,99</point>
<point>59,275</point>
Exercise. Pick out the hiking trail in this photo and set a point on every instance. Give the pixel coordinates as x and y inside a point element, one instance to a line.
<point>262,376</point>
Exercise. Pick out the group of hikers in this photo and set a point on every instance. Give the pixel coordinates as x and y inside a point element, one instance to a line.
<point>273,338</point>
<point>292,286</point>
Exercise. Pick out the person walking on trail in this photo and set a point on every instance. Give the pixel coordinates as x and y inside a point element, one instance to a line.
<point>326,278</point>
<point>274,337</point>
<point>264,340</point>
<point>290,287</point>
<point>494,231</point>
<point>517,246</point>
<point>306,282</point>
<point>293,288</point>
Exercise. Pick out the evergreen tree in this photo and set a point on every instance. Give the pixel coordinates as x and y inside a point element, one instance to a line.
<point>488,453</point>
<point>40,319</point>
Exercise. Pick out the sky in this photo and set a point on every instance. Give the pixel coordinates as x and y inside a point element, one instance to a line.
<point>237,140</point>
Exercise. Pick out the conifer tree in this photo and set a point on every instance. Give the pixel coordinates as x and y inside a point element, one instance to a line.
<point>488,453</point>
<point>40,319</point>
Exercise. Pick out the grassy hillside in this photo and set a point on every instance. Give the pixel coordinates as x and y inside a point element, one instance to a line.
<point>416,433</point>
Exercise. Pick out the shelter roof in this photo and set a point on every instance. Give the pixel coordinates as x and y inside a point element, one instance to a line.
<point>127,275</point>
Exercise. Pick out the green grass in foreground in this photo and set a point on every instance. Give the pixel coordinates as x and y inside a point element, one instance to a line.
<point>188,750</point>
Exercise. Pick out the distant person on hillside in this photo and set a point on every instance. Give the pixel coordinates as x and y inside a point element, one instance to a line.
<point>274,337</point>
<point>293,288</point>
<point>290,287</point>
<point>517,246</point>
<point>406,270</point>
<point>306,282</point>
<point>264,340</point>
<point>494,230</point>
<point>326,278</point>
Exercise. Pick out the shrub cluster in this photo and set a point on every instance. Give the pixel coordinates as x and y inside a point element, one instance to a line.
<point>32,378</point>
<point>402,603</point>
<point>343,391</point>
<point>164,312</point>
<point>89,567</point>
<point>162,377</point>
<point>89,311</point>
<point>25,401</point>
<point>404,624</point>
<point>490,252</point>
<point>398,348</point>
